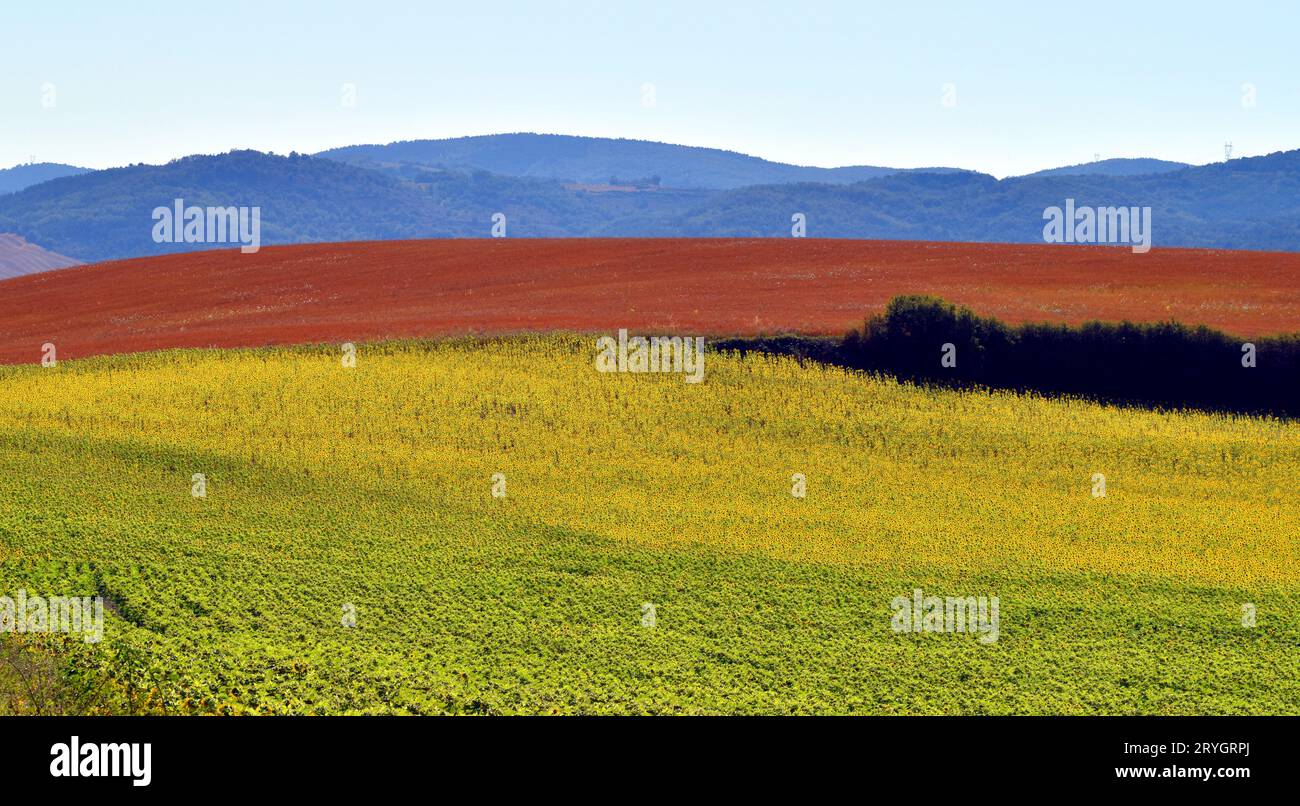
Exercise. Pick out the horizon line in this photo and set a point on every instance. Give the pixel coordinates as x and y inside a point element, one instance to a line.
<point>883,165</point>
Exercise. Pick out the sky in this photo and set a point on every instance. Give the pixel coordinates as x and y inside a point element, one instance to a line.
<point>1001,87</point>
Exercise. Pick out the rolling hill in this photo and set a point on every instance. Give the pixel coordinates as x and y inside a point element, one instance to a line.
<point>1249,203</point>
<point>17,257</point>
<point>1242,204</point>
<point>20,177</point>
<point>107,215</point>
<point>334,491</point>
<point>595,160</point>
<point>396,289</point>
<point>1115,167</point>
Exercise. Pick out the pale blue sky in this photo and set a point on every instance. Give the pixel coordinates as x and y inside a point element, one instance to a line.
<point>833,83</point>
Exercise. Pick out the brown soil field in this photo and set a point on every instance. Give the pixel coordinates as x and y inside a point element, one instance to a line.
<point>18,257</point>
<point>387,289</point>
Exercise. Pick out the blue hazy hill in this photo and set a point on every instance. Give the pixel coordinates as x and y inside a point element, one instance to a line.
<point>1121,166</point>
<point>107,214</point>
<point>595,160</point>
<point>20,177</point>
<point>1251,203</point>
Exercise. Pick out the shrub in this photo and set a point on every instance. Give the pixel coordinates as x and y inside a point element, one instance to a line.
<point>1163,364</point>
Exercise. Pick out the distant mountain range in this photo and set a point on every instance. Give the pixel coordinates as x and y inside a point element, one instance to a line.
<point>453,188</point>
<point>19,177</point>
<point>595,161</point>
<point>1116,167</point>
<point>1251,203</point>
<point>17,257</point>
<point>108,214</point>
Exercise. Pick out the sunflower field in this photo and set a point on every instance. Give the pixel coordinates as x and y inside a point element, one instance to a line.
<point>492,526</point>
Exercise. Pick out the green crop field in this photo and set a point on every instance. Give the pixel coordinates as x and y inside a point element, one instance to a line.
<point>354,549</point>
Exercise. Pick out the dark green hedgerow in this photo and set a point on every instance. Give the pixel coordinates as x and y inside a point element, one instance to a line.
<point>1166,364</point>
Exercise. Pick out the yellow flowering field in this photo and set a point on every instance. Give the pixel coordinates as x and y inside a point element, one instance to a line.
<point>494,526</point>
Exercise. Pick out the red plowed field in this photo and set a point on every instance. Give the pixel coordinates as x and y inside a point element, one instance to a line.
<point>374,290</point>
